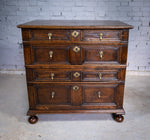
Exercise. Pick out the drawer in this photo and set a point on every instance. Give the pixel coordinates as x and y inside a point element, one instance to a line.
<point>99,94</point>
<point>76,75</point>
<point>75,54</point>
<point>52,95</point>
<point>101,35</point>
<point>105,75</point>
<point>49,34</point>
<point>51,75</point>
<point>50,54</point>
<point>101,54</point>
<point>77,95</point>
<point>55,35</point>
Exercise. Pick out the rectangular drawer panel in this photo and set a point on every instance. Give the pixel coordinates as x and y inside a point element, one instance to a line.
<point>77,95</point>
<point>51,74</point>
<point>50,54</point>
<point>54,95</point>
<point>102,54</point>
<point>101,35</point>
<point>75,55</point>
<point>104,75</point>
<point>49,34</point>
<point>99,94</point>
<point>76,75</point>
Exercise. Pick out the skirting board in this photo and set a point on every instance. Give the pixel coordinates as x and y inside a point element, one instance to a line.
<point>129,72</point>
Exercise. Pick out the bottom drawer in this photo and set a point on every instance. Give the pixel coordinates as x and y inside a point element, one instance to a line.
<point>99,94</point>
<point>75,96</point>
<point>52,95</point>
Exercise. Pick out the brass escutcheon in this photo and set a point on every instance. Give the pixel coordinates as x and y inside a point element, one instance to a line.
<point>76,49</point>
<point>75,34</point>
<point>75,88</point>
<point>76,74</point>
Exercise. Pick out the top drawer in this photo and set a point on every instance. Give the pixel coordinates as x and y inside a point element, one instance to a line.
<point>75,35</point>
<point>101,35</point>
<point>51,35</point>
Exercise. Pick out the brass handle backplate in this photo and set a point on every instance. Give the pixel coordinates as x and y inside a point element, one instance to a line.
<point>75,34</point>
<point>101,36</point>
<point>51,54</point>
<point>52,76</point>
<point>99,94</point>
<point>53,94</point>
<point>76,49</point>
<point>100,76</point>
<point>101,54</point>
<point>49,36</point>
<point>76,74</point>
<point>75,88</point>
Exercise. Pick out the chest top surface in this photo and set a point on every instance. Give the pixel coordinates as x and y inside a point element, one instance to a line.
<point>76,24</point>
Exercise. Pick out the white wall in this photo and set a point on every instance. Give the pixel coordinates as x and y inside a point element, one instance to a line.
<point>134,12</point>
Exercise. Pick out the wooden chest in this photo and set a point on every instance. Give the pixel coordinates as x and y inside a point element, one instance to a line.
<point>75,66</point>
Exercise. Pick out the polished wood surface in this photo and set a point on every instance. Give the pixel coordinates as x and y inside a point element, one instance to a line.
<point>75,24</point>
<point>75,66</point>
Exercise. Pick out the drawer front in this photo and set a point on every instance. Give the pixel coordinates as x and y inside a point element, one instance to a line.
<point>76,75</point>
<point>75,54</point>
<point>104,75</point>
<point>50,75</point>
<point>50,54</point>
<point>77,95</point>
<point>101,35</point>
<point>49,34</point>
<point>102,54</point>
<point>52,95</point>
<point>104,94</point>
<point>54,35</point>
<point>99,94</point>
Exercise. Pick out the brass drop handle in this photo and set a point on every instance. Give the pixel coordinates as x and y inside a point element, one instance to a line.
<point>100,76</point>
<point>49,36</point>
<point>53,94</point>
<point>52,76</point>
<point>99,94</point>
<point>101,36</point>
<point>101,54</point>
<point>51,54</point>
<point>75,88</point>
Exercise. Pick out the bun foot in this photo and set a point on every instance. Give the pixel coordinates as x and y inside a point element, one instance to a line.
<point>118,118</point>
<point>33,119</point>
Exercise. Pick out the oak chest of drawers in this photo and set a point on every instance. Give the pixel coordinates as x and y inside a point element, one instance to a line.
<point>75,66</point>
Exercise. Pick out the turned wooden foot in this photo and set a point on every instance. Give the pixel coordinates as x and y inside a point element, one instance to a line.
<point>33,119</point>
<point>118,117</point>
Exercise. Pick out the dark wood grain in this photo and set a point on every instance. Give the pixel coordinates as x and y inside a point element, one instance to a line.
<point>56,35</point>
<point>61,79</point>
<point>76,96</point>
<point>44,95</point>
<point>68,75</point>
<point>110,54</point>
<point>76,58</point>
<point>75,24</point>
<point>108,35</point>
